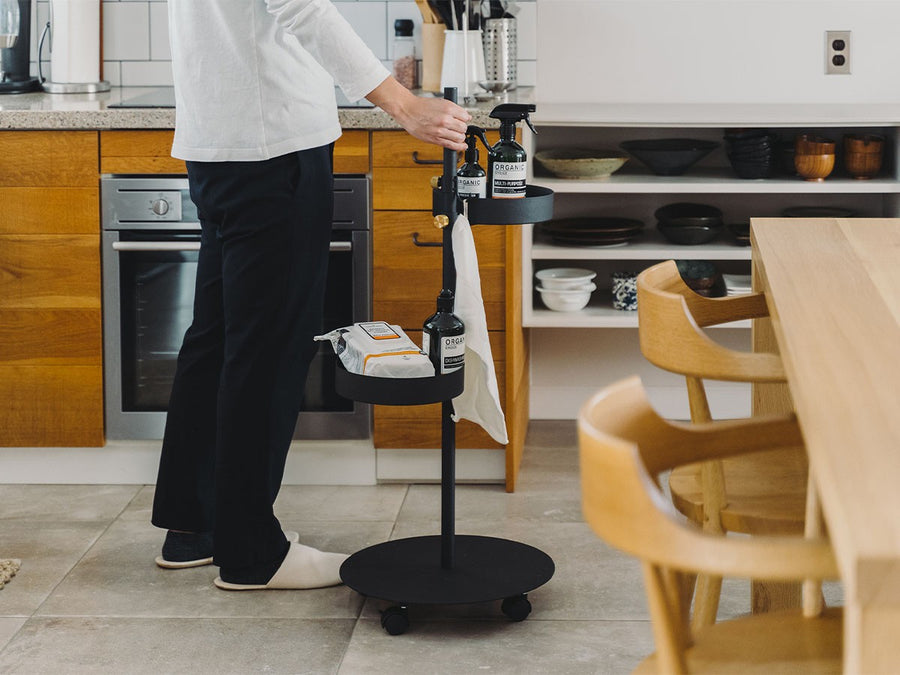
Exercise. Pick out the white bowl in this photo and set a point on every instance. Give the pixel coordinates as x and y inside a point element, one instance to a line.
<point>566,300</point>
<point>563,278</point>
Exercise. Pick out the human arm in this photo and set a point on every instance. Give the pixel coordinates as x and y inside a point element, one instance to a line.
<point>434,120</point>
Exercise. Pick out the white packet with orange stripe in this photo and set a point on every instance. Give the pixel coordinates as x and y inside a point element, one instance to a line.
<point>379,349</point>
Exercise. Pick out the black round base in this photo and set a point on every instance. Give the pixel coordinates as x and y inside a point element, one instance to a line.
<point>20,86</point>
<point>408,571</point>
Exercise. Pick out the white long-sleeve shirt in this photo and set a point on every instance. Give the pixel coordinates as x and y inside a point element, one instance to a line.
<point>255,79</point>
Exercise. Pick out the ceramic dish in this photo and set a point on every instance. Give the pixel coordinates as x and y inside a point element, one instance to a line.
<point>564,278</point>
<point>817,212</point>
<point>669,156</point>
<point>576,163</point>
<point>566,300</point>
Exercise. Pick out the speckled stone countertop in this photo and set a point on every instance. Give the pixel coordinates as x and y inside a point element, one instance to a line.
<point>92,111</point>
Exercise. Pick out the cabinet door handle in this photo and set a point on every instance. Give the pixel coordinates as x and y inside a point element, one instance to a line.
<point>424,244</point>
<point>416,160</point>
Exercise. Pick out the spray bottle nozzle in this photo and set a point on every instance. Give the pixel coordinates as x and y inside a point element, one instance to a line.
<point>473,133</point>
<point>510,113</point>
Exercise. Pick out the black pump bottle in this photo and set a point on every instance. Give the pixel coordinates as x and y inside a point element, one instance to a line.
<point>444,336</point>
<point>508,163</point>
<point>471,179</point>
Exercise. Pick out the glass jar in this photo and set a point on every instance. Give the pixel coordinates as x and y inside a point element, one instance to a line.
<point>404,54</point>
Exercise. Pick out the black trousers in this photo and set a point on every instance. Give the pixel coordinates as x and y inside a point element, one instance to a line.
<point>242,367</point>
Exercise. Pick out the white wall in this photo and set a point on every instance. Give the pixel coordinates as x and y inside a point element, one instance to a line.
<point>725,51</point>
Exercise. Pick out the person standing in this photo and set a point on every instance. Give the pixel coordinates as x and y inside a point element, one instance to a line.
<point>256,121</point>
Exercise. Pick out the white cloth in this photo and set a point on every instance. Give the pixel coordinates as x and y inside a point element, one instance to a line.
<point>254,79</point>
<point>480,400</point>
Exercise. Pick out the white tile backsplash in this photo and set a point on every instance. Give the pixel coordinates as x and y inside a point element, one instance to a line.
<point>136,36</point>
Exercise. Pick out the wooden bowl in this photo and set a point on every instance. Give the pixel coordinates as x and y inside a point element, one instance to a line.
<point>863,154</point>
<point>813,144</point>
<point>814,167</point>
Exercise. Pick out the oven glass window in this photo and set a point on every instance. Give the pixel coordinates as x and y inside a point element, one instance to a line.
<point>157,294</point>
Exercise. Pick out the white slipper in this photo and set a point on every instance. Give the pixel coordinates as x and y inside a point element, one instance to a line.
<point>304,567</point>
<point>199,562</point>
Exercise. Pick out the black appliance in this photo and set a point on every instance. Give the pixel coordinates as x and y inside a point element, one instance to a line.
<point>151,239</point>
<point>15,59</point>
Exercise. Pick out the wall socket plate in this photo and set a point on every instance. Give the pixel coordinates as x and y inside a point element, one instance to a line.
<point>837,52</point>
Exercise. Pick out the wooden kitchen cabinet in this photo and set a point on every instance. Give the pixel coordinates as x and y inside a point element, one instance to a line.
<point>51,382</point>
<point>149,152</point>
<point>407,279</point>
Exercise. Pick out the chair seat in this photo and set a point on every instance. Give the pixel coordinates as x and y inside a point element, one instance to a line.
<point>766,492</point>
<point>778,642</point>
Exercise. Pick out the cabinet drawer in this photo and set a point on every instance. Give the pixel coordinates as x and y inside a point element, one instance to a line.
<point>51,406</point>
<point>351,152</point>
<point>407,278</point>
<point>400,150</point>
<point>43,271</point>
<point>48,159</point>
<point>50,336</point>
<point>138,152</point>
<point>393,245</point>
<point>33,210</point>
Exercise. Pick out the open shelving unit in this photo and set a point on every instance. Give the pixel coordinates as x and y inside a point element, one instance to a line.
<point>635,192</point>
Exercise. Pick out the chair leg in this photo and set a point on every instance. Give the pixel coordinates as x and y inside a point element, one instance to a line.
<point>706,597</point>
<point>668,631</point>
<point>813,600</point>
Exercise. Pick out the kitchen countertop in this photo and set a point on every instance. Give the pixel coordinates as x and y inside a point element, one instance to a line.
<point>92,111</point>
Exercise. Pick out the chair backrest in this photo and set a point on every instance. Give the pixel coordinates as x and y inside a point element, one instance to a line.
<point>624,444</point>
<point>670,317</point>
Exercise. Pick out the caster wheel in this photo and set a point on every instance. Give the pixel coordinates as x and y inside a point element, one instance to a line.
<point>395,620</point>
<point>516,608</point>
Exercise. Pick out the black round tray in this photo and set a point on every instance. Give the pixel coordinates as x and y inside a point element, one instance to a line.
<point>535,207</point>
<point>409,570</point>
<point>398,390</point>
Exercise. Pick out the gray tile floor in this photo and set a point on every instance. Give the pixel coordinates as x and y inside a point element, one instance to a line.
<point>89,598</point>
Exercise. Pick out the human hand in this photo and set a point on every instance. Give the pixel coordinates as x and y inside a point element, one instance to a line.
<point>434,120</point>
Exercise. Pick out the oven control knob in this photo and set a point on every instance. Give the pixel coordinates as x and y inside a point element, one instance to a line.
<point>160,207</point>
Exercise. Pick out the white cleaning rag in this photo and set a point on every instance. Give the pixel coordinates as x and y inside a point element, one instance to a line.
<point>480,400</point>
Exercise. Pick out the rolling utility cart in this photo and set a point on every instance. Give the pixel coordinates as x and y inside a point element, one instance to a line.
<point>447,568</point>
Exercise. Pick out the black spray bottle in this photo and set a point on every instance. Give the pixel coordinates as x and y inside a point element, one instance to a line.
<point>444,336</point>
<point>508,162</point>
<point>471,179</point>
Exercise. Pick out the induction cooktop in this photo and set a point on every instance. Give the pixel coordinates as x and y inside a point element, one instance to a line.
<point>164,97</point>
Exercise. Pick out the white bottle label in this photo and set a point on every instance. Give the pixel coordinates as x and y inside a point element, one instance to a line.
<point>453,353</point>
<point>508,180</point>
<point>471,187</point>
<point>426,342</point>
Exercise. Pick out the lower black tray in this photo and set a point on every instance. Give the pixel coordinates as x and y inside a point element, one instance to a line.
<point>398,390</point>
<point>535,207</point>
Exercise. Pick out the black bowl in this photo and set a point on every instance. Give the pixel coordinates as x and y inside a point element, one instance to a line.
<point>689,235</point>
<point>682,214</point>
<point>669,156</point>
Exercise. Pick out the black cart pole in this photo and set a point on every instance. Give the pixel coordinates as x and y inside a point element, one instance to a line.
<point>448,428</point>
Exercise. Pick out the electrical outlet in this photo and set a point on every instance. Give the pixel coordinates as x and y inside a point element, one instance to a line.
<point>837,52</point>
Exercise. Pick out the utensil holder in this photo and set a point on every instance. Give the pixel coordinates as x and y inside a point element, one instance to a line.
<point>500,54</point>
<point>463,64</point>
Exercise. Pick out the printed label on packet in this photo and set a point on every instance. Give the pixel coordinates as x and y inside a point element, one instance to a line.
<point>508,181</point>
<point>379,330</point>
<point>453,353</point>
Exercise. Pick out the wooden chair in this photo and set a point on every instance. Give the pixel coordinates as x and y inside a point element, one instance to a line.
<point>624,445</point>
<point>763,493</point>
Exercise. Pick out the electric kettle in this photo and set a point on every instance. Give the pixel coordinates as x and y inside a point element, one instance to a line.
<point>73,35</point>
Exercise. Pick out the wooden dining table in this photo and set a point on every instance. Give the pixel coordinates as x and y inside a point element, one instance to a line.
<point>833,291</point>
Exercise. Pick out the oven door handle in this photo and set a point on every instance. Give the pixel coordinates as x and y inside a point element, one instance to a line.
<point>194,246</point>
<point>156,245</point>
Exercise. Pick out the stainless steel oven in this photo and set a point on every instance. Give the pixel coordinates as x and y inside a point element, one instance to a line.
<point>151,239</point>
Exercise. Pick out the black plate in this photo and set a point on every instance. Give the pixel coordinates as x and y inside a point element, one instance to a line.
<point>817,212</point>
<point>592,225</point>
